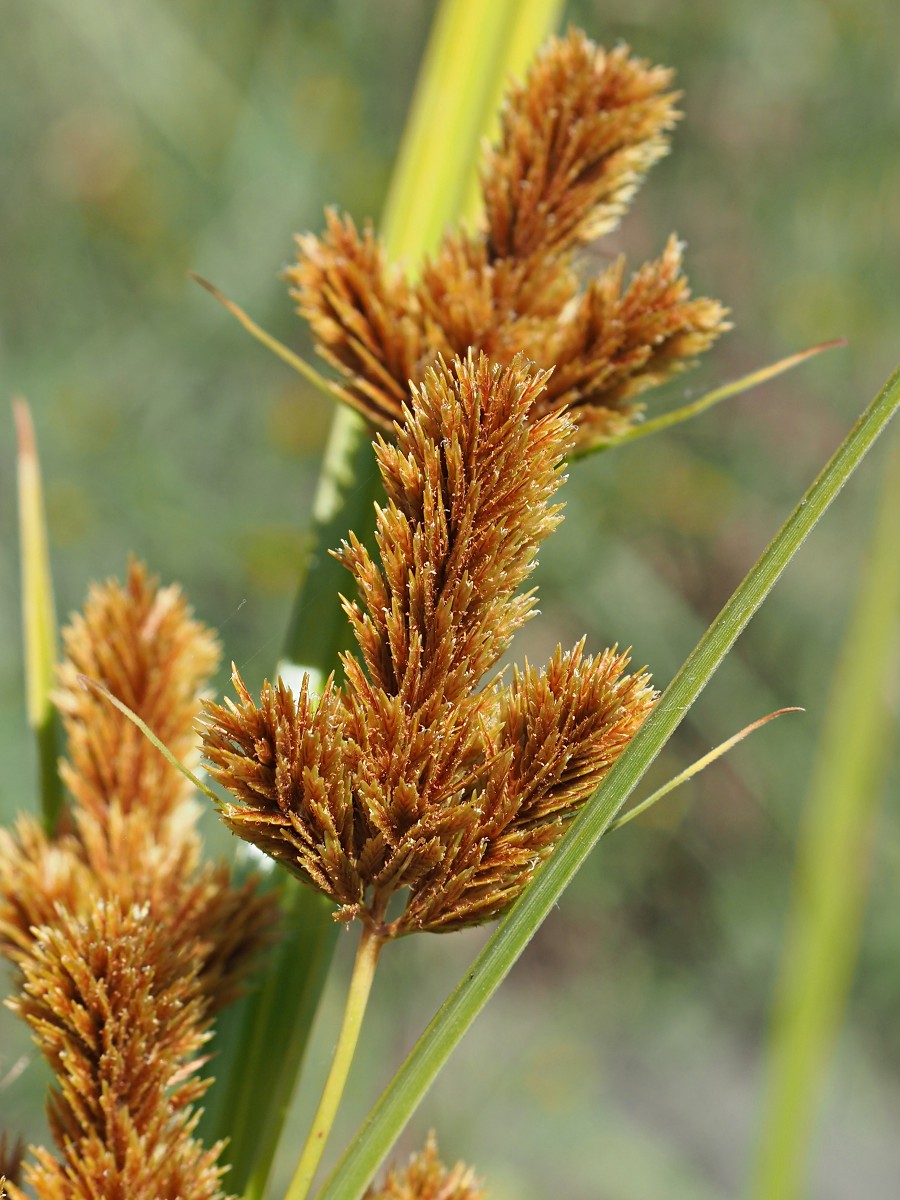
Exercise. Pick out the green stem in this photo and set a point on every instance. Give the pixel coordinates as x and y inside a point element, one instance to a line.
<point>832,865</point>
<point>370,944</point>
<point>481,980</point>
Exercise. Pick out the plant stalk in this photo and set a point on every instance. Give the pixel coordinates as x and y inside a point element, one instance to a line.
<point>370,944</point>
<point>703,403</point>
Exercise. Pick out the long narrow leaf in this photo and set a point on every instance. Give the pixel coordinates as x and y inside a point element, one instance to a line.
<point>38,616</point>
<point>409,1085</point>
<point>832,866</point>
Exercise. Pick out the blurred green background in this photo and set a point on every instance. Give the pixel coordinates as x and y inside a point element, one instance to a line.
<point>139,141</point>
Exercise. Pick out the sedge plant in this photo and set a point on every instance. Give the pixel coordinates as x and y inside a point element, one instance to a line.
<point>404,783</point>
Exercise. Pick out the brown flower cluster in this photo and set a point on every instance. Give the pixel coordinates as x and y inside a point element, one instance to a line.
<point>426,1178</point>
<point>409,779</point>
<point>576,139</point>
<point>124,943</point>
<point>119,1011</point>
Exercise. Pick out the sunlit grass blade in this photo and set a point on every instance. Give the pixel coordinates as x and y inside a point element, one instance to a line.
<point>709,400</point>
<point>435,179</point>
<point>38,616</point>
<point>525,23</point>
<point>832,864</point>
<point>481,980</point>
<point>696,767</point>
<point>451,111</point>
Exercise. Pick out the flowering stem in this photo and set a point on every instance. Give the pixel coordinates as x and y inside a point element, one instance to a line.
<point>370,944</point>
<point>472,50</point>
<point>393,1110</point>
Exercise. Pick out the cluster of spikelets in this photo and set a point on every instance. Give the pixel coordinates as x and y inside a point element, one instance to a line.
<point>576,138</point>
<point>426,1178</point>
<point>410,778</point>
<point>413,780</point>
<point>124,945</point>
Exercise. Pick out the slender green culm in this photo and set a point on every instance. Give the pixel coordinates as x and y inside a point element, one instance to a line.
<point>452,108</point>
<point>308,927</point>
<point>832,865</point>
<point>481,980</point>
<point>38,617</point>
<point>357,998</point>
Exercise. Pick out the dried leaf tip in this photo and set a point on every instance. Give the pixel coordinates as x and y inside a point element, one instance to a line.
<point>577,137</point>
<point>410,779</point>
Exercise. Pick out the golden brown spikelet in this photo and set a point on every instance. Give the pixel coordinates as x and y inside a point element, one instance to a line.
<point>285,763</point>
<point>410,778</point>
<point>38,876</point>
<point>116,1007</point>
<point>124,858</point>
<point>501,307</point>
<point>619,342</point>
<point>120,899</point>
<point>141,642</point>
<point>426,1178</point>
<point>360,310</point>
<point>557,732</point>
<point>469,481</point>
<point>131,832</point>
<point>576,138</point>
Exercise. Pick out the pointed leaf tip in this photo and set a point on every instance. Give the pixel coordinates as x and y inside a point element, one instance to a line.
<point>38,611</point>
<point>300,365</point>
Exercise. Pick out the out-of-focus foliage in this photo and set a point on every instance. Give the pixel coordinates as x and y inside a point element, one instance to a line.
<point>143,140</point>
